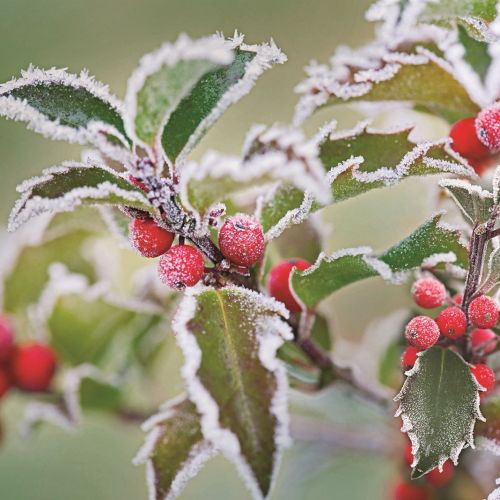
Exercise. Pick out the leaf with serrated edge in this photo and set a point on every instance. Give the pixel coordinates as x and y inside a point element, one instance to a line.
<point>439,406</point>
<point>62,189</point>
<point>233,376</point>
<point>429,245</point>
<point>174,450</point>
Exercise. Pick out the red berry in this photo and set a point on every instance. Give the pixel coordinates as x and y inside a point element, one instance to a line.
<point>279,286</point>
<point>33,367</point>
<point>409,454</point>
<point>483,312</point>
<point>422,332</point>
<point>149,239</point>
<point>437,478</point>
<point>181,266</point>
<point>4,382</point>
<point>457,299</point>
<point>452,322</point>
<point>485,376</point>
<point>466,141</point>
<point>409,357</point>
<point>428,293</point>
<point>6,339</point>
<point>241,240</point>
<point>138,183</point>
<point>409,491</point>
<point>488,127</point>
<point>483,340</point>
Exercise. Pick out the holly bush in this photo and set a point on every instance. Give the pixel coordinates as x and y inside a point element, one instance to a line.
<point>242,276</point>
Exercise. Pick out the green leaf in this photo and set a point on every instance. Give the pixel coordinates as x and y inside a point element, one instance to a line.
<point>63,106</point>
<point>99,396</point>
<point>62,189</point>
<point>229,338</point>
<point>439,405</point>
<point>429,244</point>
<point>476,53</point>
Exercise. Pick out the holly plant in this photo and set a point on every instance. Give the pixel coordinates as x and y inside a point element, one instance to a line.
<point>241,280</point>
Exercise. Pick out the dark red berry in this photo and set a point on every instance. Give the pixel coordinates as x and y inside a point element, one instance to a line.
<point>483,340</point>
<point>428,293</point>
<point>422,332</point>
<point>488,127</point>
<point>149,239</point>
<point>138,183</point>
<point>33,367</point>
<point>4,382</point>
<point>409,357</point>
<point>452,322</point>
<point>409,491</point>
<point>278,284</point>
<point>485,376</point>
<point>241,240</point>
<point>409,454</point>
<point>181,266</point>
<point>437,478</point>
<point>483,312</point>
<point>6,339</point>
<point>466,141</point>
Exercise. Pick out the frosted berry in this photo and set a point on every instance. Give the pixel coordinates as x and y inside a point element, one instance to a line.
<point>4,382</point>
<point>422,332</point>
<point>241,240</point>
<point>436,478</point>
<point>181,266</point>
<point>149,239</point>
<point>488,127</point>
<point>457,299</point>
<point>33,367</point>
<point>428,293</point>
<point>6,339</point>
<point>483,340</point>
<point>409,357</point>
<point>452,322</point>
<point>466,141</point>
<point>483,312</point>
<point>278,284</point>
<point>484,375</point>
<point>409,491</point>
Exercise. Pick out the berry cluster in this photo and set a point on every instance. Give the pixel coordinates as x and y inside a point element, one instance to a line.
<point>478,138</point>
<point>451,324</point>
<point>29,367</point>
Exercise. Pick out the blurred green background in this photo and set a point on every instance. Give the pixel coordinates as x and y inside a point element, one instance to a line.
<point>108,37</point>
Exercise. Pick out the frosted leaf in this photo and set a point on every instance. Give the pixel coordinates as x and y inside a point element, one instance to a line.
<point>496,186</point>
<point>37,413</point>
<point>495,494</point>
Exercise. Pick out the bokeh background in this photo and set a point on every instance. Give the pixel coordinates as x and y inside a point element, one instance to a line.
<point>108,37</point>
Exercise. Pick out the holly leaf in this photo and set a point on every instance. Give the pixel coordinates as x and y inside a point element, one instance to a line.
<point>428,245</point>
<point>229,338</point>
<point>476,53</point>
<point>175,449</point>
<point>63,106</point>
<point>439,406</point>
<point>62,189</point>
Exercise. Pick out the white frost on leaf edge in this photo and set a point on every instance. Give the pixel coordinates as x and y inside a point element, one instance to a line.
<point>495,494</point>
<point>224,439</point>
<point>38,412</point>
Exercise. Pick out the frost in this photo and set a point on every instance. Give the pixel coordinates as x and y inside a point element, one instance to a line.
<point>36,413</point>
<point>495,494</point>
<point>496,186</point>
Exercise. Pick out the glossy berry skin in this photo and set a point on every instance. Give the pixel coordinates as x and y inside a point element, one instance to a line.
<point>452,322</point>
<point>428,293</point>
<point>466,141</point>
<point>4,382</point>
<point>241,240</point>
<point>483,312</point>
<point>6,340</point>
<point>148,238</point>
<point>484,375</point>
<point>488,127</point>
<point>409,357</point>
<point>33,367</point>
<point>483,340</point>
<point>422,332</point>
<point>410,491</point>
<point>436,478</point>
<point>181,266</point>
<point>279,286</point>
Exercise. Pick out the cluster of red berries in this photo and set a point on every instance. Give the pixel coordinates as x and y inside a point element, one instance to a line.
<point>478,138</point>
<point>452,323</point>
<point>29,367</point>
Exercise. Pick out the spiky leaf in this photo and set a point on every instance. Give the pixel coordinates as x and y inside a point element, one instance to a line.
<point>475,53</point>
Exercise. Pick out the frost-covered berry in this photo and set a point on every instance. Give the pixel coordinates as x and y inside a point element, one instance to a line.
<point>428,293</point>
<point>181,266</point>
<point>4,382</point>
<point>149,239</point>
<point>452,322</point>
<point>422,332</point>
<point>483,312</point>
<point>409,357</point>
<point>483,340</point>
<point>279,286</point>
<point>457,299</point>
<point>466,141</point>
<point>6,339</point>
<point>488,127</point>
<point>484,375</point>
<point>241,240</point>
<point>437,478</point>
<point>33,367</point>
<point>410,491</point>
